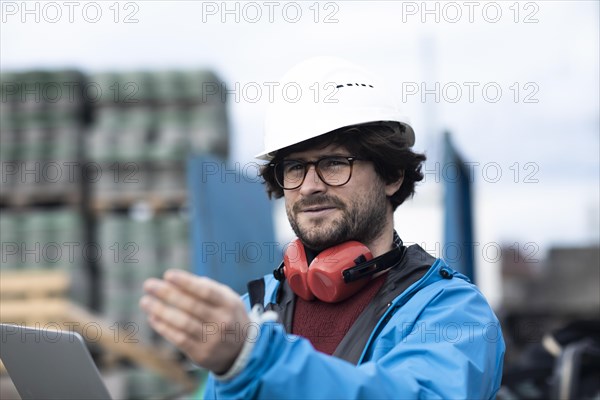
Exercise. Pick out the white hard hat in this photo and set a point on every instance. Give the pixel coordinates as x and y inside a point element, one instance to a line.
<point>321,95</point>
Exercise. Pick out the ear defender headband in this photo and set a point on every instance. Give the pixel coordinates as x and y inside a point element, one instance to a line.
<point>335,274</point>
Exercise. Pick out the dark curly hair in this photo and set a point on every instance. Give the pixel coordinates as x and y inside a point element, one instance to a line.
<point>378,142</point>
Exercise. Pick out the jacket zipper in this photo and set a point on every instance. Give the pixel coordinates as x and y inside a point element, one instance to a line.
<point>395,305</point>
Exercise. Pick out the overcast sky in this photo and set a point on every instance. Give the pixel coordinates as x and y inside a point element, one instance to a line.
<point>517,84</point>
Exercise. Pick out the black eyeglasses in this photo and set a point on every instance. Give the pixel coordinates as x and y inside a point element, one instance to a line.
<point>333,170</point>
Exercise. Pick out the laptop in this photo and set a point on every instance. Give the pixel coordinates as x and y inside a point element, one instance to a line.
<point>50,364</point>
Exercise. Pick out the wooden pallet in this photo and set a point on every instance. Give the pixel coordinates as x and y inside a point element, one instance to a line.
<point>17,198</point>
<point>37,299</point>
<point>155,201</point>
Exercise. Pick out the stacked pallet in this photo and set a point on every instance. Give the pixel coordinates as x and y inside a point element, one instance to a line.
<point>37,298</point>
<point>43,117</point>
<point>137,249</point>
<point>145,126</point>
<point>41,239</point>
<point>93,186</point>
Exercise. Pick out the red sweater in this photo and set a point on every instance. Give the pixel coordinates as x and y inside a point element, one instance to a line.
<point>326,324</point>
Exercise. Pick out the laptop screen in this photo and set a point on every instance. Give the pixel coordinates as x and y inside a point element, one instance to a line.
<point>50,364</point>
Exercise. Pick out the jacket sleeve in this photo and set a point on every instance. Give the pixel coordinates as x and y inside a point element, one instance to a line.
<point>444,343</point>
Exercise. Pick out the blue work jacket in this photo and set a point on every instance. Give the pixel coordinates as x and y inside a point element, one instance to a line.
<point>428,334</point>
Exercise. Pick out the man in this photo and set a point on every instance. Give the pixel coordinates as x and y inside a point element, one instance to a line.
<point>351,312</point>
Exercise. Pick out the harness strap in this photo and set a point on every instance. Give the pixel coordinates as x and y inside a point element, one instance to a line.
<point>256,292</point>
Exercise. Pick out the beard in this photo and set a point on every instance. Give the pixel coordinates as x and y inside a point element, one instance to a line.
<point>361,219</point>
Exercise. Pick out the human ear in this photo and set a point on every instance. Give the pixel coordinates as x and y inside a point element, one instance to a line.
<point>392,187</point>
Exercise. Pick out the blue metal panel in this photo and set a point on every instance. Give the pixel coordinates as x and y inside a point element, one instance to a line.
<point>233,240</point>
<point>458,247</point>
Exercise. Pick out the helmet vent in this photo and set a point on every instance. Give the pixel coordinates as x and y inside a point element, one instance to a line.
<point>354,84</point>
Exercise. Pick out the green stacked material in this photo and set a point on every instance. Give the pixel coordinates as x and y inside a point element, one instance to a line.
<point>7,150</point>
<point>208,130</point>
<point>64,228</point>
<point>121,292</point>
<point>41,240</point>
<point>106,89</point>
<point>171,141</point>
<point>144,116</point>
<point>43,116</point>
<point>135,87</point>
<point>40,99</point>
<point>145,126</point>
<point>202,87</point>
<point>10,240</point>
<point>170,86</point>
<point>129,136</point>
<point>143,241</point>
<point>64,144</point>
<point>101,141</point>
<point>167,177</point>
<point>133,251</point>
<point>174,241</point>
<point>35,144</point>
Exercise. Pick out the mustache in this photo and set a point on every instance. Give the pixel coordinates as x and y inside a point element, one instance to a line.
<point>318,200</point>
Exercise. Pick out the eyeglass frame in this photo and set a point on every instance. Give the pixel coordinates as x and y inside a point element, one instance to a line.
<point>307,164</point>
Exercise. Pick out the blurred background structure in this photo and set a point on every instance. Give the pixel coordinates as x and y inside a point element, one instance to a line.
<point>128,129</point>
<point>96,194</point>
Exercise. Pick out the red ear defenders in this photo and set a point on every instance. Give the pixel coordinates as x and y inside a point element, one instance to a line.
<point>336,273</point>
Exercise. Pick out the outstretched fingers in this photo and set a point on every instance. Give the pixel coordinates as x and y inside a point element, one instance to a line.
<point>178,300</point>
<point>201,288</point>
<point>180,338</point>
<point>175,318</point>
<point>203,318</point>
